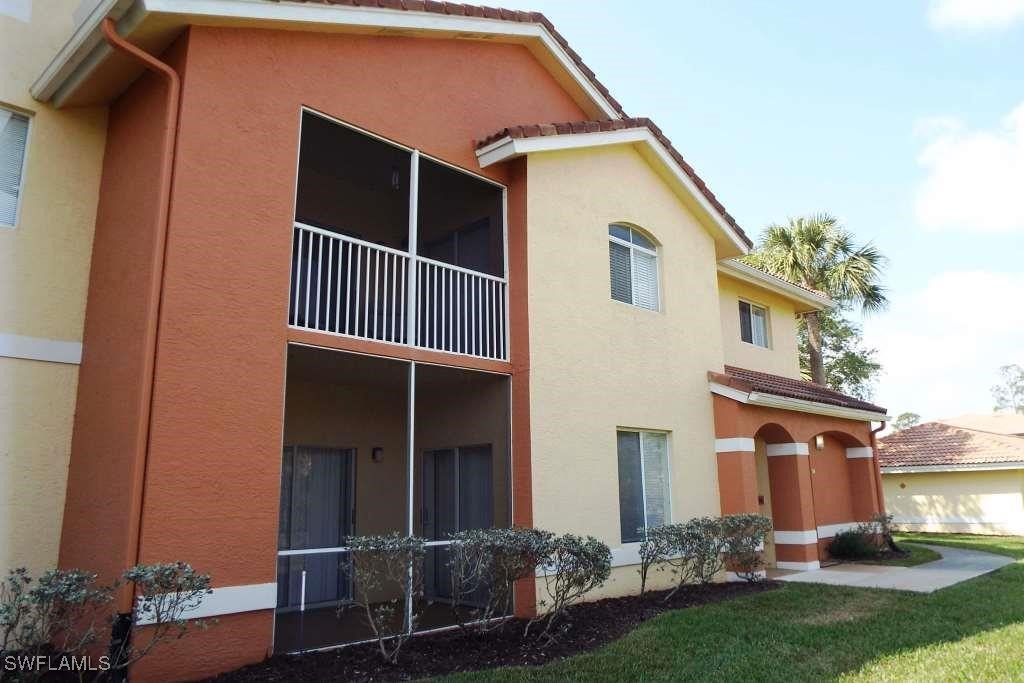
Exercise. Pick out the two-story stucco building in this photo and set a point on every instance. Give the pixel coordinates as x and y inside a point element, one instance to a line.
<point>371,267</point>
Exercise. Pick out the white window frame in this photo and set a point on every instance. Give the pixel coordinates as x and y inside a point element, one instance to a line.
<point>767,324</point>
<point>632,265</point>
<point>24,165</point>
<point>643,474</point>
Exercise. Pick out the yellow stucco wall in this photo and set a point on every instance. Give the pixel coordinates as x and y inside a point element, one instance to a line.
<point>989,502</point>
<point>597,364</point>
<point>782,355</point>
<point>44,268</point>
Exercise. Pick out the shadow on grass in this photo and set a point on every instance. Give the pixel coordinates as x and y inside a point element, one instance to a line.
<point>801,632</point>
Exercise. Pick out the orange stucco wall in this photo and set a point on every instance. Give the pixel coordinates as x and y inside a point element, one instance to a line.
<point>819,489</point>
<point>214,463</point>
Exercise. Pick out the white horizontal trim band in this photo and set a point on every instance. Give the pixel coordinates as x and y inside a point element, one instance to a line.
<point>228,600</point>
<point>742,271</point>
<point>830,530</point>
<point>777,449</point>
<point>860,452</point>
<point>800,566</point>
<point>972,467</point>
<point>808,537</point>
<point>38,348</point>
<point>957,520</point>
<point>735,444</point>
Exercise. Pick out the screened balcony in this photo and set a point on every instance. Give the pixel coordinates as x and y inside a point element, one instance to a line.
<point>392,246</point>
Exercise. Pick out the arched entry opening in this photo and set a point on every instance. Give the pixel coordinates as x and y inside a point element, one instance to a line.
<point>770,433</point>
<point>842,483</point>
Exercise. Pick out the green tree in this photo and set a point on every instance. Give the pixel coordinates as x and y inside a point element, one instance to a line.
<point>1009,393</point>
<point>817,252</point>
<point>849,366</point>
<point>905,421</point>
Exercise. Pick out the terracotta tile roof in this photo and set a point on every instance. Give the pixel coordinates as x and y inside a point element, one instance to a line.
<point>937,443</point>
<point>817,292</point>
<point>795,388</point>
<point>464,10</point>
<point>582,127</point>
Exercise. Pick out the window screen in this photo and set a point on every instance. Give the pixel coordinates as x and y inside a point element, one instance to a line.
<point>753,324</point>
<point>13,136</point>
<point>643,483</point>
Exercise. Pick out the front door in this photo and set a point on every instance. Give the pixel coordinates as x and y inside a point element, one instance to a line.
<point>457,496</point>
<point>764,499</point>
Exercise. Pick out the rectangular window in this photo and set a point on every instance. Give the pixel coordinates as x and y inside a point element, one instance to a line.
<point>754,324</point>
<point>643,483</point>
<point>13,137</point>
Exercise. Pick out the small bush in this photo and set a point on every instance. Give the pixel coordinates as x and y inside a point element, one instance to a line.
<point>488,562</point>
<point>852,545</point>
<point>655,551</point>
<point>574,566</point>
<point>379,564</point>
<point>701,541</point>
<point>743,543</point>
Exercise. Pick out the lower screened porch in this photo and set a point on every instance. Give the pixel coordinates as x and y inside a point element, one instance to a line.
<point>376,446</point>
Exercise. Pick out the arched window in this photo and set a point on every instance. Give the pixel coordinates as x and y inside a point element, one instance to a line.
<point>633,260</point>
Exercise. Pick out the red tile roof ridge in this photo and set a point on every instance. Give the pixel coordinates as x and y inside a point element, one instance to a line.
<point>800,389</point>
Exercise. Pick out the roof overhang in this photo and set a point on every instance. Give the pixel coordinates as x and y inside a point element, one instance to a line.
<point>83,73</point>
<point>728,241</point>
<point>807,300</point>
<point>757,398</point>
<point>966,467</point>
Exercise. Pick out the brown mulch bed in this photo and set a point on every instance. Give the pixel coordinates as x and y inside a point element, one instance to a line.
<point>587,627</point>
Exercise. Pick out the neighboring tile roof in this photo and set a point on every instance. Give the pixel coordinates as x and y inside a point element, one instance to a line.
<point>936,443</point>
<point>1003,423</point>
<point>799,389</point>
<point>582,127</point>
<point>463,10</point>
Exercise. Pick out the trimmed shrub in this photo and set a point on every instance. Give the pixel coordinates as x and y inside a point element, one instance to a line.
<point>743,543</point>
<point>574,566</point>
<point>701,542</point>
<point>852,545</point>
<point>380,564</point>
<point>655,551</point>
<point>486,563</point>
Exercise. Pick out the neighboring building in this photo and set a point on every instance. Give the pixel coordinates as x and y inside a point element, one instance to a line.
<point>354,282</point>
<point>1010,424</point>
<point>947,478</point>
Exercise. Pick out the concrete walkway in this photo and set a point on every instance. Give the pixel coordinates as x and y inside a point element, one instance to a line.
<point>955,566</point>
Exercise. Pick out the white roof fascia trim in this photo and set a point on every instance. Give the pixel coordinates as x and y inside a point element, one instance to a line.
<point>509,147</point>
<point>967,467</point>
<point>795,404</point>
<point>742,271</point>
<point>343,15</point>
<point>85,37</point>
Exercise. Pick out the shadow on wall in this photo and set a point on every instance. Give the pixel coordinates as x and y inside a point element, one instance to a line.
<point>978,502</point>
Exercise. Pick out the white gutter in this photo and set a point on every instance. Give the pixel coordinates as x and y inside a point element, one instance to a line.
<point>741,271</point>
<point>966,467</point>
<point>794,404</point>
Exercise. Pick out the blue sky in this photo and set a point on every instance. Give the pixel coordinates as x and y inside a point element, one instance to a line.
<point>905,119</point>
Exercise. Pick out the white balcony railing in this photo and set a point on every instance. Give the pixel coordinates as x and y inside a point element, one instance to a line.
<point>342,285</point>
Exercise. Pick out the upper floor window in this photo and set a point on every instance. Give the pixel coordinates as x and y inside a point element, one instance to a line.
<point>633,259</point>
<point>754,324</point>
<point>643,483</point>
<point>13,136</point>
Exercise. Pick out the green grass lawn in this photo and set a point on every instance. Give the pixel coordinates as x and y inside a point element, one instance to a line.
<point>918,555</point>
<point>972,631</point>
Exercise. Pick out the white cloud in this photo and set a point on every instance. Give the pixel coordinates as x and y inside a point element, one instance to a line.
<point>975,15</point>
<point>974,178</point>
<point>941,345</point>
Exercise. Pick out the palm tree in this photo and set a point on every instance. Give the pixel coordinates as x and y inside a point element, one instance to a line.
<point>818,253</point>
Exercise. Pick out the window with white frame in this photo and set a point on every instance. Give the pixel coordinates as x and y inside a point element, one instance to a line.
<point>633,259</point>
<point>754,324</point>
<point>643,483</point>
<point>13,137</point>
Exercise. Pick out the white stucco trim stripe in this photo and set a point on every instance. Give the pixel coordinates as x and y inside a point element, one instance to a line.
<point>971,467</point>
<point>830,530</point>
<point>800,566</point>
<point>807,537</point>
<point>860,452</point>
<point>735,444</point>
<point>796,405</point>
<point>38,348</point>
<point>229,600</point>
<point>777,449</point>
